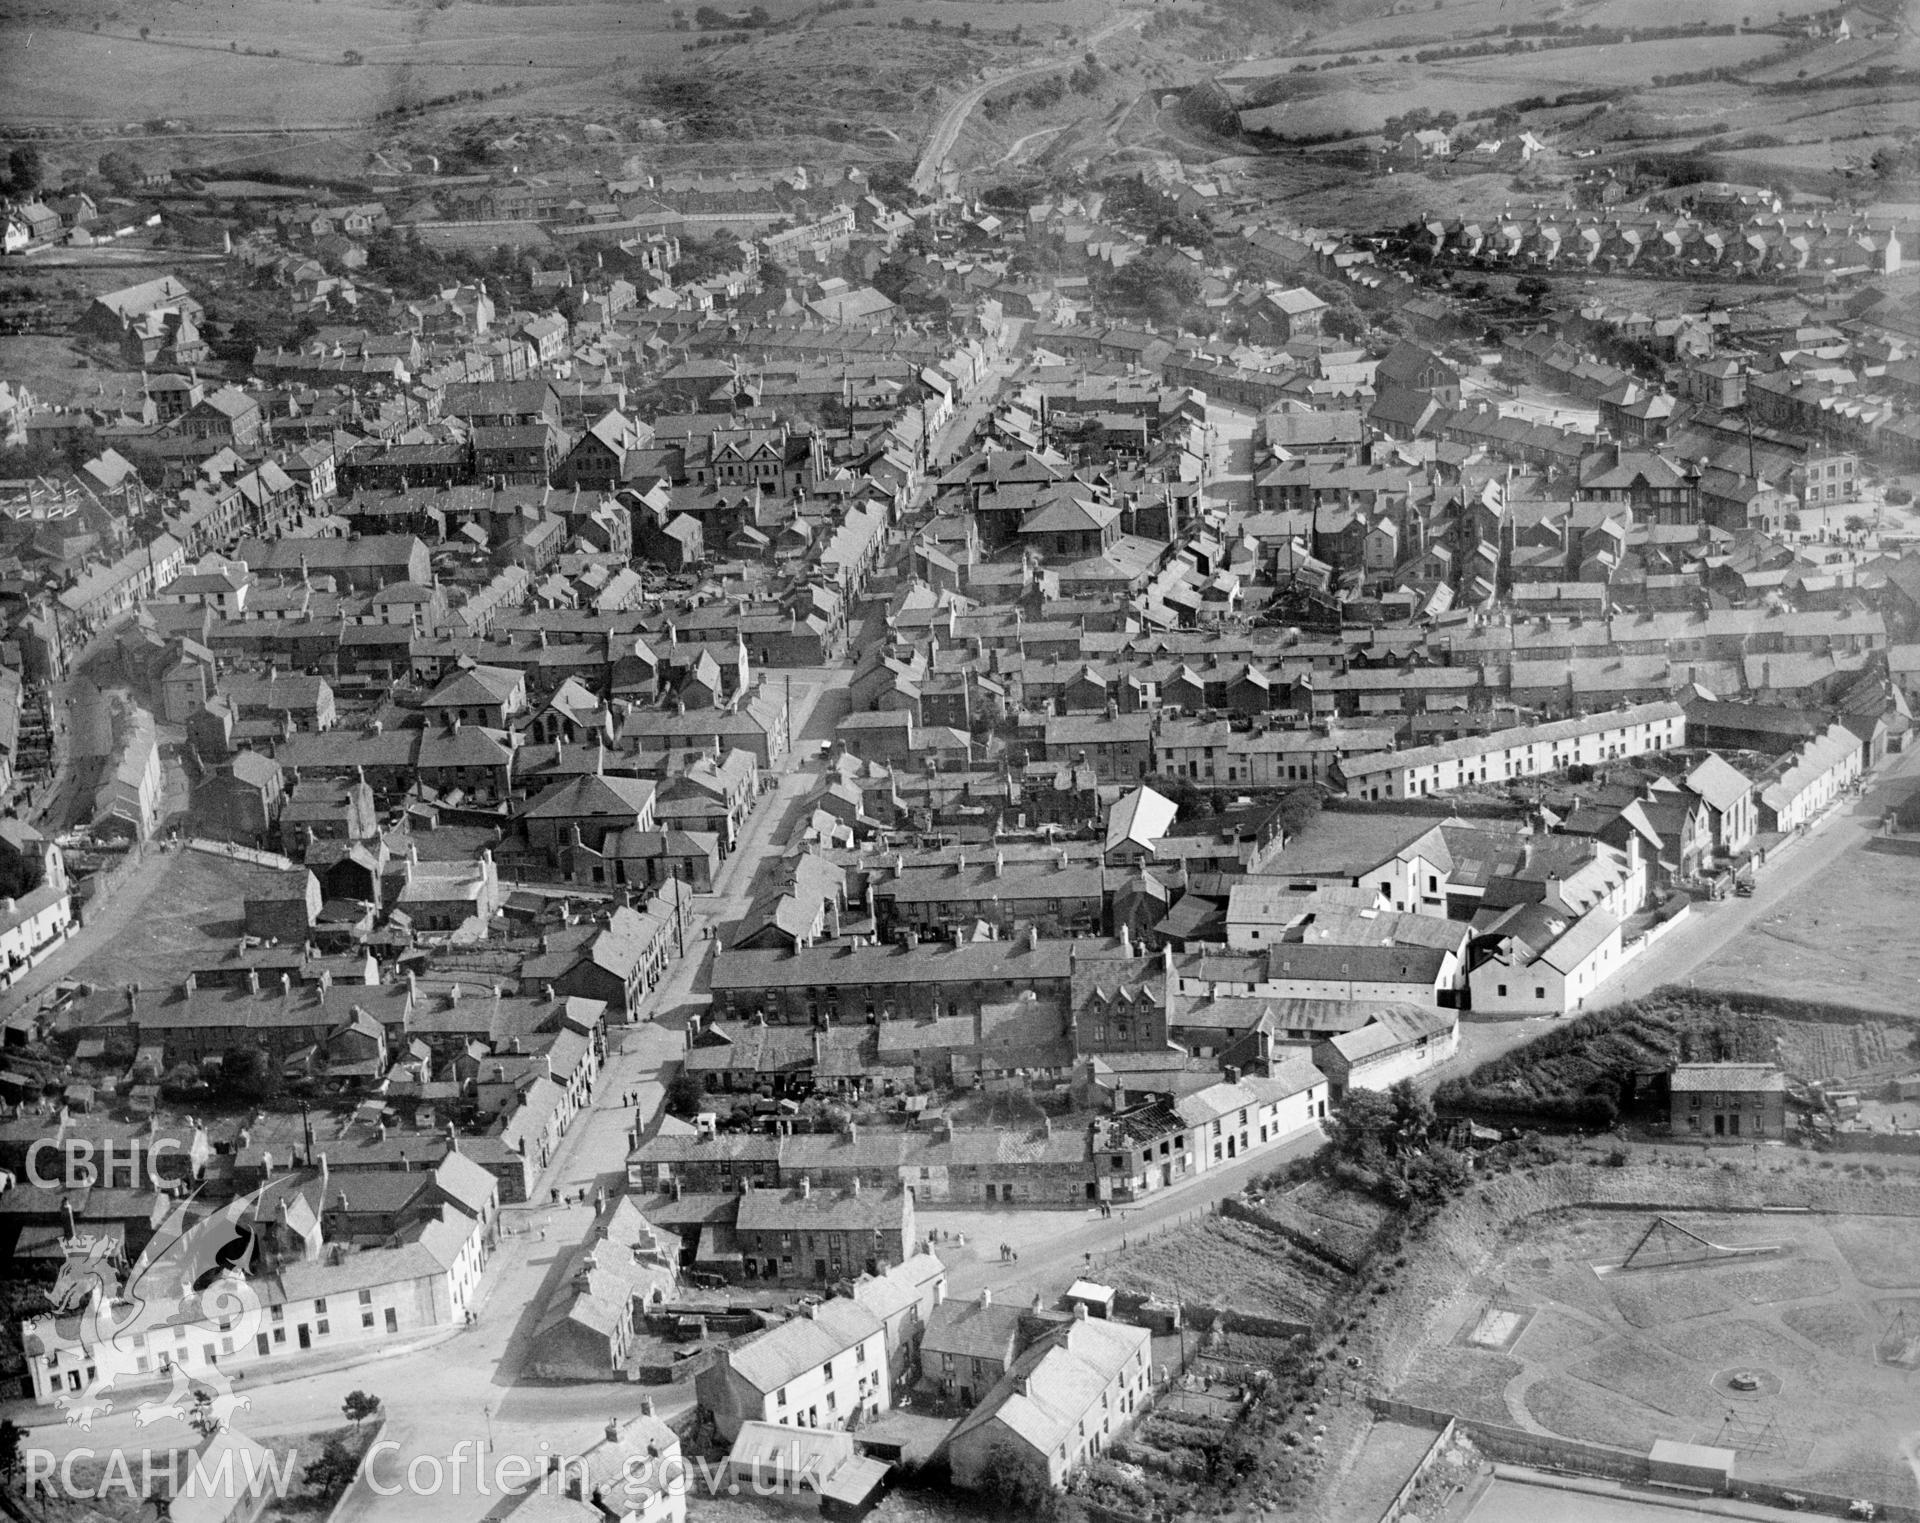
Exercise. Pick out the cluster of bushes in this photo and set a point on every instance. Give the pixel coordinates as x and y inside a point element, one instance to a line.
<point>1419,120</point>
<point>1879,77</point>
<point>1584,1072</point>
<point>451,98</point>
<point>1595,97</point>
<point>1527,38</point>
<point>1693,77</point>
<point>1083,79</point>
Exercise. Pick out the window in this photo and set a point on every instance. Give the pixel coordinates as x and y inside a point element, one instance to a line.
<point>366,1298</point>
<point>366,1319</point>
<point>319,1306</point>
<point>826,1370</point>
<point>780,1397</point>
<point>860,1354</point>
<point>1503,991</point>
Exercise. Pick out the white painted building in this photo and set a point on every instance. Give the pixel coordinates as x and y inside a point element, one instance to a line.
<point>1526,751</point>
<point>1403,1043</point>
<point>820,1370</point>
<point>425,1281</point>
<point>1536,962</point>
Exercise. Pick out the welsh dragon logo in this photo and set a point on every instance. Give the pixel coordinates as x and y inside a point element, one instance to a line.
<point>190,1279</point>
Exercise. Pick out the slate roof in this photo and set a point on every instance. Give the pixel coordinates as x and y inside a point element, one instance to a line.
<point>781,1354</point>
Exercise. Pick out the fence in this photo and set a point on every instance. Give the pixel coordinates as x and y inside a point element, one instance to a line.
<point>357,1490</point>
<point>240,853</point>
<point>98,890</point>
<point>1304,1241</point>
<point>1405,1495</point>
<point>1139,1239</point>
<point>1543,1451</point>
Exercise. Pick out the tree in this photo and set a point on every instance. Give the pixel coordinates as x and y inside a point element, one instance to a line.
<point>685,1096</point>
<point>1344,324</point>
<point>201,1418</point>
<point>24,171</point>
<point>332,1471</point>
<point>12,1462</point>
<point>1534,289</point>
<point>359,1406</point>
<point>248,1074</point>
<point>1011,1489</point>
<point>120,170</point>
<point>1299,809</point>
<point>1361,1127</point>
<point>1412,1115</point>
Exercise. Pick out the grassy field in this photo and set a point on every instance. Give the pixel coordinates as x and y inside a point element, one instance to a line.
<point>1230,1264</point>
<point>1850,936</point>
<point>1359,99</point>
<point>213,64</point>
<point>193,918</point>
<point>1632,1357</point>
<point>1459,19</point>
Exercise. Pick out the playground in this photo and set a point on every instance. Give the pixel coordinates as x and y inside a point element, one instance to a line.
<point>1790,1338</point>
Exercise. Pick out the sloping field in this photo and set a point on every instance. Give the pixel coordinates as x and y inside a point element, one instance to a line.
<point>1358,100</point>
<point>1229,1264</point>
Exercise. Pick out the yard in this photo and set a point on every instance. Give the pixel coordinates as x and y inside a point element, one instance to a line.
<point>1627,1356</point>
<point>193,918</point>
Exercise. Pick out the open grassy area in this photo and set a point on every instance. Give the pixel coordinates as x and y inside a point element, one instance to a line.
<point>1647,1358</point>
<point>193,917</point>
<point>1229,1264</point>
<point>299,63</point>
<point>1849,936</point>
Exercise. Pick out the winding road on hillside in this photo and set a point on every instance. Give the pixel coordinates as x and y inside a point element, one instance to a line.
<point>946,130</point>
